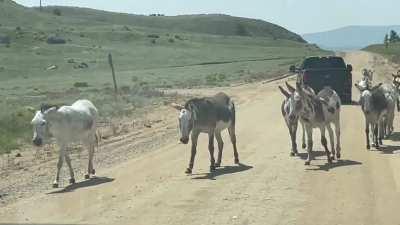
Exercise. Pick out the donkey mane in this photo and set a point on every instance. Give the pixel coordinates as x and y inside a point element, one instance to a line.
<point>45,106</point>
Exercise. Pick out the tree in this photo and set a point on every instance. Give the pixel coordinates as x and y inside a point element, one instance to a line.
<point>394,37</point>
<point>386,41</point>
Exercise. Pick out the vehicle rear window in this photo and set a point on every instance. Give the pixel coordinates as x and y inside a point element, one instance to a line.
<point>323,62</point>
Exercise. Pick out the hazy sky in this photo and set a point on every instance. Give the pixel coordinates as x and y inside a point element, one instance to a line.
<point>301,16</point>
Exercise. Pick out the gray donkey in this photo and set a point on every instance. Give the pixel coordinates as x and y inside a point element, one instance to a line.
<point>318,111</point>
<point>292,120</point>
<point>209,115</point>
<point>374,105</point>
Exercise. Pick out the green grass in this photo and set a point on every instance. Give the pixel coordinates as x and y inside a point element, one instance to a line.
<point>392,52</point>
<point>142,61</point>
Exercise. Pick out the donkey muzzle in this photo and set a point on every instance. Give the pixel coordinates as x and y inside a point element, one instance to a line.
<point>37,141</point>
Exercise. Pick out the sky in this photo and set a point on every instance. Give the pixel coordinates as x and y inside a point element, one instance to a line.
<point>300,16</point>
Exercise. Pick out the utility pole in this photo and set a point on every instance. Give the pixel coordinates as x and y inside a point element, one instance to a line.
<point>110,61</point>
<point>40,5</point>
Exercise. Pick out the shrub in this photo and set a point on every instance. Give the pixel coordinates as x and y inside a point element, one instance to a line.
<point>153,36</point>
<point>171,40</point>
<point>57,12</point>
<point>81,84</point>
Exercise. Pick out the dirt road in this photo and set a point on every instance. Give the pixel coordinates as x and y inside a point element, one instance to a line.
<point>268,188</point>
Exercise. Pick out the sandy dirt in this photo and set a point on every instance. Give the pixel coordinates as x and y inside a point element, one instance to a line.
<point>269,187</point>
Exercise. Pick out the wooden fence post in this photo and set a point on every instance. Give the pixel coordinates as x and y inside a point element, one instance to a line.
<point>113,72</point>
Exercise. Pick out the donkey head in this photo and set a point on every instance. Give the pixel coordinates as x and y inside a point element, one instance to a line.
<point>294,103</point>
<point>396,80</point>
<point>186,119</point>
<point>366,100</point>
<point>362,85</point>
<point>40,123</point>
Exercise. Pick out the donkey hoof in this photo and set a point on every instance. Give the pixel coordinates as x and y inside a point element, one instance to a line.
<point>307,163</point>
<point>368,147</point>
<point>292,154</point>
<point>236,161</point>
<point>338,155</point>
<point>304,146</point>
<point>212,168</point>
<point>72,181</point>
<point>55,185</point>
<point>217,165</point>
<point>188,171</point>
<point>93,171</point>
<point>87,176</point>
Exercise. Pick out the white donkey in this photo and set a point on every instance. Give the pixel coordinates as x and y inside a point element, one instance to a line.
<point>319,111</point>
<point>292,120</point>
<point>68,124</point>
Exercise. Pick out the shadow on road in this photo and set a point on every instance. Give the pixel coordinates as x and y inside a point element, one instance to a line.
<point>389,149</point>
<point>87,183</point>
<point>222,171</point>
<point>304,155</point>
<point>340,163</point>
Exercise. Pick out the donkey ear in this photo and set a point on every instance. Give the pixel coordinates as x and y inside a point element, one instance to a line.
<point>177,106</point>
<point>284,92</point>
<point>289,87</point>
<point>376,87</point>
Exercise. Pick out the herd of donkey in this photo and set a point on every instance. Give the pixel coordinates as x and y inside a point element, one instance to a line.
<point>212,115</point>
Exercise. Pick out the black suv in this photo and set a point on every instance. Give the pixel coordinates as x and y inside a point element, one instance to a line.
<point>332,71</point>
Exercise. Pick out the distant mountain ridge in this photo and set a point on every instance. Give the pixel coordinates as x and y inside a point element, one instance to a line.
<point>350,37</point>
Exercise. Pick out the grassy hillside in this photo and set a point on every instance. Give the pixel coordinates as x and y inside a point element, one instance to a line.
<point>392,52</point>
<point>146,57</point>
<point>207,23</point>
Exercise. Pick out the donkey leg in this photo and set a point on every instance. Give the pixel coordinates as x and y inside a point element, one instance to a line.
<point>194,137</point>
<point>376,136</point>
<point>90,161</point>
<point>367,135</point>
<point>381,131</point>
<point>59,165</point>
<point>232,134</point>
<point>331,140</point>
<point>309,144</point>
<point>303,144</point>
<point>71,171</point>
<point>211,150</point>
<point>220,148</point>
<point>338,143</point>
<point>324,143</point>
<point>293,132</point>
